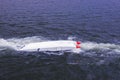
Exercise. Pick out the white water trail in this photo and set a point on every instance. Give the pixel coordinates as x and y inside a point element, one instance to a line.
<point>17,43</point>
<point>100,46</point>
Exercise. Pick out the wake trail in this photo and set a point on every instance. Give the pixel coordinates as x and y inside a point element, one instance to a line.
<point>99,46</point>
<point>17,43</point>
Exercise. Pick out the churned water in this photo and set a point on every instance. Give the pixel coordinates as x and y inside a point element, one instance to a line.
<point>95,23</point>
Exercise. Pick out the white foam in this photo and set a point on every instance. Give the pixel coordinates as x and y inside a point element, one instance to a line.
<point>17,43</point>
<point>100,46</point>
<point>5,43</point>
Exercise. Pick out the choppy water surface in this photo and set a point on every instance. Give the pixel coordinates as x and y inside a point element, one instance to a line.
<point>95,23</point>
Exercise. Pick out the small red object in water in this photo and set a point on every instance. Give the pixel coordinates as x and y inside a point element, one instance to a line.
<point>77,42</point>
<point>77,46</point>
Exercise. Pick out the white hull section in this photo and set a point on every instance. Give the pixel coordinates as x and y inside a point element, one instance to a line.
<point>61,45</point>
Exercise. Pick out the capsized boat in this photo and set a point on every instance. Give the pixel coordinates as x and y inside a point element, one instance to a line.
<point>60,45</point>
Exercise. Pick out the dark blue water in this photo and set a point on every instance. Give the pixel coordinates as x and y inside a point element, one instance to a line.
<point>95,23</point>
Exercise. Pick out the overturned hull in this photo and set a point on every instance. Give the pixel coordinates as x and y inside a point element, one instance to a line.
<point>60,45</point>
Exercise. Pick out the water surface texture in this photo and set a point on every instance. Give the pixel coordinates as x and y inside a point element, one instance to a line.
<point>96,23</point>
